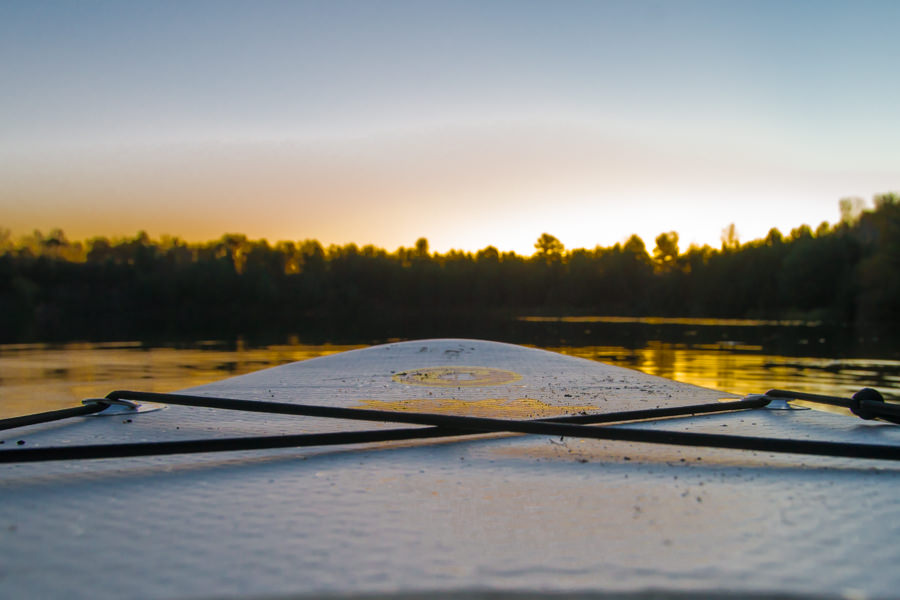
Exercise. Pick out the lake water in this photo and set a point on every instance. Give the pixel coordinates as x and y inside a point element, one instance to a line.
<point>735,356</point>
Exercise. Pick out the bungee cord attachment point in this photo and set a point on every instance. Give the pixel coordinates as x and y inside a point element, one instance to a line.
<point>776,403</point>
<point>119,406</point>
<point>866,404</point>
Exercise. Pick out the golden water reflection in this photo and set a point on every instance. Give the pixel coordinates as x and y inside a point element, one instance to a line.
<point>36,377</point>
<point>39,377</point>
<point>691,321</point>
<point>744,369</point>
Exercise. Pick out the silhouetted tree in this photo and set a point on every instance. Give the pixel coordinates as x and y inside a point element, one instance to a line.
<point>666,251</point>
<point>730,238</point>
<point>549,249</point>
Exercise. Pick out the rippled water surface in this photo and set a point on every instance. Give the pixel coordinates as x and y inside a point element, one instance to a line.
<point>37,377</point>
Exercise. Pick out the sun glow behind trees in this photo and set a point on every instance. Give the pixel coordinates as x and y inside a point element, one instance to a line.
<point>846,272</point>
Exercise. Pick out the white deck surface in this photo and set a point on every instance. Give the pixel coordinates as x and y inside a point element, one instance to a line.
<point>523,513</point>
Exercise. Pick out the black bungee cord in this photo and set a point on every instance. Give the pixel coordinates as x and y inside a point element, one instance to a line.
<point>53,415</point>
<point>451,425</point>
<point>437,430</point>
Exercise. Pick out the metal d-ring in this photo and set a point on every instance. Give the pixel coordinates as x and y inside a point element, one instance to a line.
<point>776,403</point>
<point>121,406</point>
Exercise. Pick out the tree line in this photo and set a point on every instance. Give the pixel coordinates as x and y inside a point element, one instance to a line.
<point>848,272</point>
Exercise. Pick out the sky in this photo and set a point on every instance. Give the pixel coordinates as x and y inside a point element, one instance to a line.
<point>468,123</point>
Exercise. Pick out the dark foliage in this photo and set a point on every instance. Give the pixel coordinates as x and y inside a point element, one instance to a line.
<point>51,288</point>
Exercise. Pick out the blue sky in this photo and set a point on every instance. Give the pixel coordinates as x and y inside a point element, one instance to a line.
<point>469,123</point>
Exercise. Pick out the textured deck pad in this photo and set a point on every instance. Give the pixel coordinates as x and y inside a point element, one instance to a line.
<point>463,377</point>
<point>482,513</point>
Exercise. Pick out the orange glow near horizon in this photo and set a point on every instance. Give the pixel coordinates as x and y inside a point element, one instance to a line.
<point>465,190</point>
<point>293,192</point>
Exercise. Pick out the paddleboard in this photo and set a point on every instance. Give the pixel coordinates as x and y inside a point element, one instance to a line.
<point>461,516</point>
